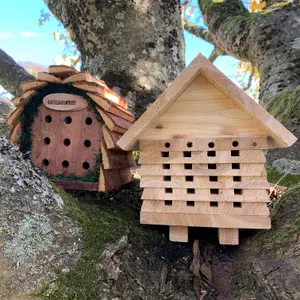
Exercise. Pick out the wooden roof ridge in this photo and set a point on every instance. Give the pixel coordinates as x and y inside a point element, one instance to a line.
<point>280,136</point>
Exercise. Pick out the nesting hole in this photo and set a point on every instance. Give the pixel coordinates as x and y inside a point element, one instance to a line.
<point>190,203</point>
<point>88,121</point>
<point>164,154</point>
<point>45,162</point>
<point>48,119</point>
<point>237,204</point>
<point>235,153</point>
<point>189,178</point>
<point>211,153</point>
<point>189,144</point>
<point>237,178</point>
<point>167,145</point>
<point>213,204</point>
<point>67,142</point>
<point>167,178</point>
<point>235,166</point>
<point>168,202</point>
<point>187,154</point>
<point>86,165</point>
<point>212,166</point>
<point>65,164</point>
<point>68,120</point>
<point>235,143</point>
<point>168,190</point>
<point>211,145</point>
<point>188,166</point>
<point>213,178</point>
<point>87,143</point>
<point>214,191</point>
<point>166,166</point>
<point>47,141</point>
<point>190,191</point>
<point>238,191</point>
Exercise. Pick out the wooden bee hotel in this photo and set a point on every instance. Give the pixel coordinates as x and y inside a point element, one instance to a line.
<point>202,155</point>
<point>70,123</point>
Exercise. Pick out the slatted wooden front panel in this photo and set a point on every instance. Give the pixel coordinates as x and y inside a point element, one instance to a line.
<point>201,182</point>
<point>65,142</point>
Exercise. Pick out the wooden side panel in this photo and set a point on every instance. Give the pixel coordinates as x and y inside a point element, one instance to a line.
<point>203,111</point>
<point>111,138</point>
<point>228,236</point>
<point>200,144</point>
<point>179,234</point>
<point>203,170</point>
<point>75,185</point>
<point>113,179</point>
<point>204,182</point>
<point>234,156</point>
<point>58,141</point>
<point>224,195</point>
<point>116,159</point>
<point>32,85</point>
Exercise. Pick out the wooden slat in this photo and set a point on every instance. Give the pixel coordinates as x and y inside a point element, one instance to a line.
<point>32,85</point>
<point>202,170</point>
<point>62,71</point>
<point>114,123</point>
<point>200,144</point>
<point>245,156</point>
<point>111,138</point>
<point>113,179</point>
<point>13,118</point>
<point>75,185</point>
<point>215,221</point>
<point>24,98</point>
<point>116,159</point>
<point>200,182</point>
<point>202,195</point>
<point>111,107</point>
<point>202,208</point>
<point>84,76</point>
<point>179,234</point>
<point>15,134</point>
<point>228,236</point>
<point>48,77</point>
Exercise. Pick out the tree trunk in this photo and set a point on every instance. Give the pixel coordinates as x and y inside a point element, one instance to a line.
<point>135,46</point>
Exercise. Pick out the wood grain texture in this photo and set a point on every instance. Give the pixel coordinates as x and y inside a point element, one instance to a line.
<point>215,221</point>
<point>113,179</point>
<point>84,76</point>
<point>228,236</point>
<point>225,195</point>
<point>204,182</point>
<point>202,208</point>
<point>32,85</point>
<point>13,118</point>
<point>74,185</point>
<point>223,169</point>
<point>227,110</point>
<point>24,98</point>
<point>58,131</point>
<point>200,144</point>
<point>111,138</point>
<point>65,102</point>
<point>48,77</point>
<point>116,159</point>
<point>179,234</point>
<point>177,157</point>
<point>62,71</point>
<point>15,134</point>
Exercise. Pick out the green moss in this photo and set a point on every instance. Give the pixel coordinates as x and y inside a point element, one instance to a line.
<point>289,180</point>
<point>285,106</point>
<point>104,220</point>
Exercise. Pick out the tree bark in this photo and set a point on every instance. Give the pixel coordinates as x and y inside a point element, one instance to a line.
<point>11,74</point>
<point>135,46</point>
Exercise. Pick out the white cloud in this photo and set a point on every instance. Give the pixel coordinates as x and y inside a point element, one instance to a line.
<point>6,35</point>
<point>27,34</point>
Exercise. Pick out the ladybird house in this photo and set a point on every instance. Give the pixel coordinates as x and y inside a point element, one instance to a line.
<point>70,123</point>
<point>202,155</point>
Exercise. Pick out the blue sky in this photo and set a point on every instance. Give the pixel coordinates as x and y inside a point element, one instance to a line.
<point>23,39</point>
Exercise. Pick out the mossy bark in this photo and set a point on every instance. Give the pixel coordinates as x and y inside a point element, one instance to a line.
<point>135,46</point>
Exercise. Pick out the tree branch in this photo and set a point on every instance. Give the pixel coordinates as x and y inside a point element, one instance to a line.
<point>198,31</point>
<point>215,54</point>
<point>11,74</point>
<point>228,24</point>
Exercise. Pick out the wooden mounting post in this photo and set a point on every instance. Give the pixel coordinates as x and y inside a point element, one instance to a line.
<point>228,236</point>
<point>179,234</point>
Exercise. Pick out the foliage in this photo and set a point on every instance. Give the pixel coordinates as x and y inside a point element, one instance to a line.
<point>104,218</point>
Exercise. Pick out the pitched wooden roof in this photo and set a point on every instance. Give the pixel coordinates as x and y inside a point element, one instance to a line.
<point>278,135</point>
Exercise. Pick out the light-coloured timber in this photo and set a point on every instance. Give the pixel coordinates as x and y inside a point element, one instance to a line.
<point>225,195</point>
<point>61,71</point>
<point>200,144</point>
<point>15,134</point>
<point>65,102</point>
<point>179,234</point>
<point>111,138</point>
<point>228,236</point>
<point>84,76</point>
<point>32,85</point>
<point>24,98</point>
<point>178,157</point>
<point>221,109</point>
<point>48,77</point>
<point>204,182</point>
<point>13,118</point>
<point>223,169</point>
